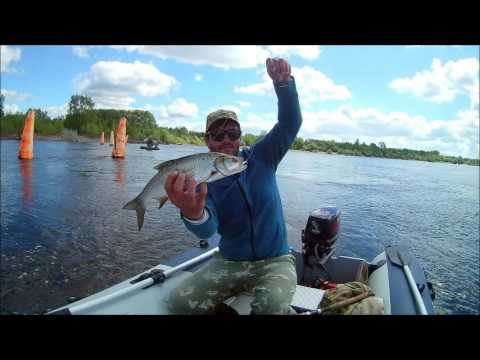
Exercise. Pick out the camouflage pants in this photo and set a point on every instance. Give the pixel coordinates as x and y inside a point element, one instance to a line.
<point>272,282</point>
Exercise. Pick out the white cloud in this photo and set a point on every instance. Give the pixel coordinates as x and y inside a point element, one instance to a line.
<point>53,111</point>
<point>251,123</point>
<point>8,55</point>
<point>178,113</point>
<point>113,84</point>
<point>309,52</point>
<point>254,123</point>
<point>11,108</point>
<point>198,77</point>
<point>12,95</point>
<point>244,103</point>
<point>344,121</point>
<point>182,108</point>
<point>80,51</point>
<point>230,107</point>
<point>57,111</point>
<point>312,86</point>
<point>224,57</point>
<point>475,98</point>
<point>457,136</point>
<point>8,93</point>
<point>262,88</point>
<point>443,82</point>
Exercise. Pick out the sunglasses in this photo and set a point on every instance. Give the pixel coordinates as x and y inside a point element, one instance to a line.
<point>232,135</point>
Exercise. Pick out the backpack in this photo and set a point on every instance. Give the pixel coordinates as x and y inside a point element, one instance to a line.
<point>370,305</point>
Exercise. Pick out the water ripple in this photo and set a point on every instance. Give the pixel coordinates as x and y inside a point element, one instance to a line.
<point>64,232</point>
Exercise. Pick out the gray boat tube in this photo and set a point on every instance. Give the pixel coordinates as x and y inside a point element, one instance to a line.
<point>150,279</point>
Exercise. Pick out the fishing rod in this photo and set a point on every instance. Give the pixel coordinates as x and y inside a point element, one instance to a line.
<point>339,304</point>
<point>142,282</point>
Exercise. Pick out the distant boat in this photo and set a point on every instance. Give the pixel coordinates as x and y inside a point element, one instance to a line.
<point>112,141</point>
<point>150,147</point>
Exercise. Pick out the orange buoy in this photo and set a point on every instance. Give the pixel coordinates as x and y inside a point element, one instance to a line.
<point>102,138</point>
<point>26,144</point>
<point>118,150</point>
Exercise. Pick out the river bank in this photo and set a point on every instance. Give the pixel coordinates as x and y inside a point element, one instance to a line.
<point>51,138</point>
<point>78,138</point>
<point>82,139</point>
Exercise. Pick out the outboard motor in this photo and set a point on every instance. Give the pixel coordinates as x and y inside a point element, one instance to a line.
<point>320,235</point>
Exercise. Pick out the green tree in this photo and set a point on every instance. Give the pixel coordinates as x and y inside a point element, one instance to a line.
<point>249,139</point>
<point>80,104</point>
<point>297,143</point>
<point>2,99</point>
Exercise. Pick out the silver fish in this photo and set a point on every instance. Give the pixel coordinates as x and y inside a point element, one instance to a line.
<point>204,167</point>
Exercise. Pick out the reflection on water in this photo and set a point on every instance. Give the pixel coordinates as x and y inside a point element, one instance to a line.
<point>26,173</point>
<point>119,165</point>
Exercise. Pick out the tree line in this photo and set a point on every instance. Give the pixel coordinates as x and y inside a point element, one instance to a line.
<point>90,122</point>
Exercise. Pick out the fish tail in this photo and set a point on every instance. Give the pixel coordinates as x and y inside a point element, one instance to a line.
<point>139,207</point>
<point>162,201</point>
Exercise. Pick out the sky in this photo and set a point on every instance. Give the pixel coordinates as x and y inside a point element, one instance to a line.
<point>415,97</point>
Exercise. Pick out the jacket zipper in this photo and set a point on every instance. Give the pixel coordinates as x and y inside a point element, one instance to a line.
<point>251,219</point>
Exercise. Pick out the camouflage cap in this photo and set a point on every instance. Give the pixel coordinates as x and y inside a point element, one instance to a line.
<point>213,117</point>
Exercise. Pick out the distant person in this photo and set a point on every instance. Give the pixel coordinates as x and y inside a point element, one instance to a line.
<point>246,210</point>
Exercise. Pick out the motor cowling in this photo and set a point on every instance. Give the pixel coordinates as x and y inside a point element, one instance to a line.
<point>321,232</point>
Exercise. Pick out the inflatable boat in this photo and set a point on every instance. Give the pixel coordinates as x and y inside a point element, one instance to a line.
<point>394,275</point>
<point>149,147</point>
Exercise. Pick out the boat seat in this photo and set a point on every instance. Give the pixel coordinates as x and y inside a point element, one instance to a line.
<point>337,270</point>
<point>304,299</point>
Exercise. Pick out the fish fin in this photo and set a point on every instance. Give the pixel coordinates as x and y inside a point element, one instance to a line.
<point>138,206</point>
<point>162,200</point>
<point>212,174</point>
<point>179,160</point>
<point>163,164</point>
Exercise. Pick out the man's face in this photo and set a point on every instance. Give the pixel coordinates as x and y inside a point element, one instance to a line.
<point>222,137</point>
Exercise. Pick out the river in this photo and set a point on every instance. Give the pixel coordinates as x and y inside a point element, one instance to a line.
<point>64,233</point>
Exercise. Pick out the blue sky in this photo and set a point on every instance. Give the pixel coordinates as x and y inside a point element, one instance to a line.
<point>418,97</point>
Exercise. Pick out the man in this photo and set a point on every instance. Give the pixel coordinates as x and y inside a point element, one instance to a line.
<point>246,210</point>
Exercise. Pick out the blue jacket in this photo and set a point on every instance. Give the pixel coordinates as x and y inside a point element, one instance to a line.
<point>246,209</point>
